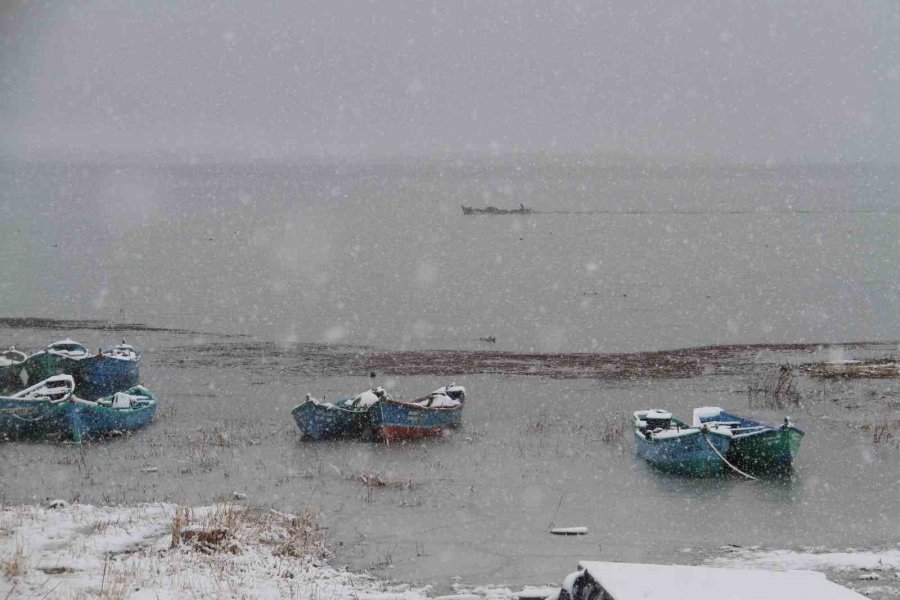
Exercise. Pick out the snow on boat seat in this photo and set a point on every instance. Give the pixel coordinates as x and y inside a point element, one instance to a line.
<point>437,401</point>
<point>368,398</point>
<point>706,413</point>
<point>657,419</point>
<point>631,581</point>
<point>53,388</point>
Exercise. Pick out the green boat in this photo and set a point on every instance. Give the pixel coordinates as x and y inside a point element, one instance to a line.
<point>755,446</point>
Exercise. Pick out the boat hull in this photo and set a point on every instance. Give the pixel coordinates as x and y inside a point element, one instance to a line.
<point>74,419</point>
<point>25,419</point>
<point>95,376</point>
<point>398,421</point>
<point>774,449</point>
<point>684,455</point>
<point>324,422</point>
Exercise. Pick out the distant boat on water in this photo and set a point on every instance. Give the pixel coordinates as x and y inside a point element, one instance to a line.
<point>493,210</point>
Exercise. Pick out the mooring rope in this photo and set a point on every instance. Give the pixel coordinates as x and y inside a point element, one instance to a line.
<point>734,468</point>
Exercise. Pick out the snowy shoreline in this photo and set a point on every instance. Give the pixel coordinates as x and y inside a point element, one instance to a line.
<point>220,551</point>
<point>232,551</point>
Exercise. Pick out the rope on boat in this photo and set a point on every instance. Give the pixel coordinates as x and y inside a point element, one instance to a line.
<point>15,416</point>
<point>719,454</point>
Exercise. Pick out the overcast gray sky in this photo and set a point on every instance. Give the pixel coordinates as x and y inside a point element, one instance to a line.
<point>735,81</point>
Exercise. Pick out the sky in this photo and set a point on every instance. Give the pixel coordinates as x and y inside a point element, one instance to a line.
<point>726,81</point>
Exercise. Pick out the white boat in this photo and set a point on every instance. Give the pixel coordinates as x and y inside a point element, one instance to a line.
<point>634,581</point>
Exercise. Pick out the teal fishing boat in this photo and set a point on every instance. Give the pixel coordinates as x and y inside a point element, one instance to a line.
<point>671,445</point>
<point>755,446</point>
<point>51,409</point>
<point>345,417</point>
<point>96,375</point>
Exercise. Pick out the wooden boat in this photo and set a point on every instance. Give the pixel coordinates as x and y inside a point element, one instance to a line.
<point>754,445</point>
<point>670,445</point>
<point>597,580</point>
<point>493,210</point>
<point>11,362</point>
<point>345,417</point>
<point>51,409</point>
<point>96,375</point>
<point>429,416</point>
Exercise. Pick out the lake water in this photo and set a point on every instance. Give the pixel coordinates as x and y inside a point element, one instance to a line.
<point>625,257</point>
<point>248,271</point>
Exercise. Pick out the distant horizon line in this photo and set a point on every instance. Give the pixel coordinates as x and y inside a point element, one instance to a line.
<point>590,158</point>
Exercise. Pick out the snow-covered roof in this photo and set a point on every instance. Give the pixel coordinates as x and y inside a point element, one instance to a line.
<point>633,581</point>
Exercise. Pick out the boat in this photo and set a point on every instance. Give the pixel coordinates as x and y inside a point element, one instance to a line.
<point>493,210</point>
<point>596,580</point>
<point>10,369</point>
<point>429,416</point>
<point>343,418</point>
<point>51,409</point>
<point>671,445</point>
<point>754,445</point>
<point>96,375</point>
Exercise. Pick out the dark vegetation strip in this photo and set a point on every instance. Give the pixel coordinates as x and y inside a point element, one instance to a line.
<point>79,324</point>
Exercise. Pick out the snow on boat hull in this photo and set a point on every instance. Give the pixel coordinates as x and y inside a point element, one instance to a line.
<point>394,421</point>
<point>326,421</point>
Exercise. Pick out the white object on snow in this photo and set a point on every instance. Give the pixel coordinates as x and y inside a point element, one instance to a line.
<point>569,530</point>
<point>632,581</point>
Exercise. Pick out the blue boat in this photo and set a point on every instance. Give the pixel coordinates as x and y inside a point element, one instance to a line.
<point>670,445</point>
<point>96,375</point>
<point>755,446</point>
<point>429,416</point>
<point>11,362</point>
<point>51,409</point>
<point>343,418</point>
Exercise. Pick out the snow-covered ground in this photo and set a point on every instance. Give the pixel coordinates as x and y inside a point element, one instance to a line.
<point>221,551</point>
<point>874,573</point>
<point>161,551</point>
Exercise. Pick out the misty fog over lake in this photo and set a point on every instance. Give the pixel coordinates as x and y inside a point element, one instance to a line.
<point>671,205</point>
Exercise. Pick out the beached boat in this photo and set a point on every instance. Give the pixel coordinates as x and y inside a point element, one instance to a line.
<point>11,362</point>
<point>343,418</point>
<point>51,409</point>
<point>429,416</point>
<point>493,210</point>
<point>671,445</point>
<point>754,445</point>
<point>634,581</point>
<point>96,375</point>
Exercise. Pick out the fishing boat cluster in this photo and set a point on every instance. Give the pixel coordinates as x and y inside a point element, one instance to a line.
<point>64,390</point>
